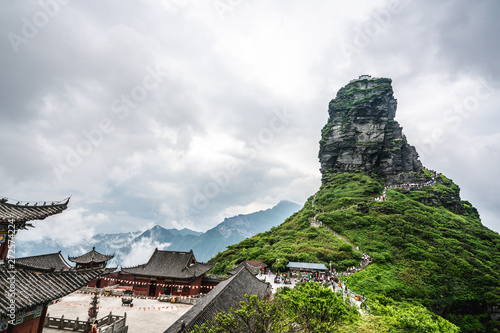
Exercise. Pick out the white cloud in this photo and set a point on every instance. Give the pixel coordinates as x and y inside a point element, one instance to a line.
<point>142,249</point>
<point>221,77</point>
<point>75,226</point>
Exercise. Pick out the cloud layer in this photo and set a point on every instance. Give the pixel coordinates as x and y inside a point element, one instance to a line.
<point>181,113</point>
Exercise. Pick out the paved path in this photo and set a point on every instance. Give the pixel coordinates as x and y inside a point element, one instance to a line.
<point>146,316</point>
<point>317,223</point>
<point>335,287</point>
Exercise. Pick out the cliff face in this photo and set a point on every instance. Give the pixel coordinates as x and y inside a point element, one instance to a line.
<point>361,134</point>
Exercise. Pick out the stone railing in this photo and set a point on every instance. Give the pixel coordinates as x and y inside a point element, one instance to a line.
<point>117,326</point>
<point>107,324</point>
<point>92,290</point>
<point>179,299</point>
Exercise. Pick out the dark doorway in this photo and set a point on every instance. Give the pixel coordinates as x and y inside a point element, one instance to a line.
<point>152,289</point>
<point>98,284</point>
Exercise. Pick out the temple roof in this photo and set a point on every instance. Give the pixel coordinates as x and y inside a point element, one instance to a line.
<point>225,295</point>
<point>35,288</point>
<point>24,211</point>
<point>306,265</point>
<point>170,264</point>
<point>109,270</point>
<point>256,263</point>
<point>51,261</point>
<point>251,268</point>
<point>91,257</point>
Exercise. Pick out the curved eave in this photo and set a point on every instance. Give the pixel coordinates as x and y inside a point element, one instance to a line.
<point>20,213</point>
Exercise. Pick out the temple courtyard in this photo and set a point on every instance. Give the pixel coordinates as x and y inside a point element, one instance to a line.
<point>146,315</point>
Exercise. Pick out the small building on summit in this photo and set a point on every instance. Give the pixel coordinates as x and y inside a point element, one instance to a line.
<point>167,272</point>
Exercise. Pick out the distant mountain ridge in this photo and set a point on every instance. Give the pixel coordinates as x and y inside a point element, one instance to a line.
<point>235,229</point>
<point>137,245</point>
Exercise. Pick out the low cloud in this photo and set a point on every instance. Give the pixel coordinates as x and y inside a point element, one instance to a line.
<point>74,227</point>
<point>141,251</point>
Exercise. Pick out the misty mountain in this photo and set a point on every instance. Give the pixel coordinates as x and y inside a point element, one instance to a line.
<point>235,229</point>
<point>134,248</point>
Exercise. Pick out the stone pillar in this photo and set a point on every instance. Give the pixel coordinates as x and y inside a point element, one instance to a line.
<point>75,327</point>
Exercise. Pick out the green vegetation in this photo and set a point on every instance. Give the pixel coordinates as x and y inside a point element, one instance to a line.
<point>346,100</point>
<point>253,315</point>
<point>310,307</point>
<point>429,249</point>
<point>402,317</point>
<point>315,308</point>
<point>294,240</point>
<point>325,133</point>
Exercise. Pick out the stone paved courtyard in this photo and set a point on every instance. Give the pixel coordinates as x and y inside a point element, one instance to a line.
<point>146,316</point>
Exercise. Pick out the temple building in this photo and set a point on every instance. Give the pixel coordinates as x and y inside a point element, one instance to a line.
<point>255,267</point>
<point>94,259</point>
<point>33,291</point>
<point>91,259</point>
<point>166,272</point>
<point>227,294</point>
<point>43,262</point>
<point>28,285</point>
<point>13,217</point>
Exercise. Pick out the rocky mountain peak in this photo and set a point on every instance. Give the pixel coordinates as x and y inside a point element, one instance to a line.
<point>362,135</point>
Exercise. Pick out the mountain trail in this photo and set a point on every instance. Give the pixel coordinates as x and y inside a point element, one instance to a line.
<point>366,258</point>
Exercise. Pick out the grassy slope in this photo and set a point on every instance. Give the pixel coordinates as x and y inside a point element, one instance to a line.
<point>423,252</point>
<point>294,240</point>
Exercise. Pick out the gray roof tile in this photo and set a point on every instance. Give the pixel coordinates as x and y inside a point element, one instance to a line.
<point>22,212</point>
<point>31,288</point>
<point>225,295</point>
<point>91,257</point>
<point>51,261</point>
<point>170,264</point>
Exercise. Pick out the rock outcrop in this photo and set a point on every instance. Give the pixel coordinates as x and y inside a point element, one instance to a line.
<point>362,135</point>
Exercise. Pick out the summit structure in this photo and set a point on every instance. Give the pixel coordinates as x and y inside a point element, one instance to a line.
<point>362,135</point>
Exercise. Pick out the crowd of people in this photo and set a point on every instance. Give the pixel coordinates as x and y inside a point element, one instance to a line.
<point>383,197</point>
<point>320,277</point>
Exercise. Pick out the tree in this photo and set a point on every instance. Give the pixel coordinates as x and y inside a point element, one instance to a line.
<point>315,308</point>
<point>252,316</point>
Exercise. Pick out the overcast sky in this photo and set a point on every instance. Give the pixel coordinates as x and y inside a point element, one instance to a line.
<point>181,113</point>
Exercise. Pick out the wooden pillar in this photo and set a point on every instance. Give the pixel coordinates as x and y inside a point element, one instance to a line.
<point>4,249</point>
<point>41,323</point>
